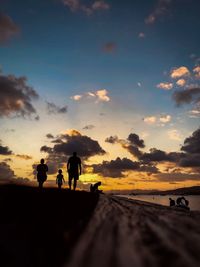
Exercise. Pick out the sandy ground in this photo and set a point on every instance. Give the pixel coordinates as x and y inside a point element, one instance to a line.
<point>125,233</point>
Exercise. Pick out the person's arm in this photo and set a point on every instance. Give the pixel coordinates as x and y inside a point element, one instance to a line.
<point>68,165</point>
<point>80,167</point>
<point>63,179</point>
<point>56,179</point>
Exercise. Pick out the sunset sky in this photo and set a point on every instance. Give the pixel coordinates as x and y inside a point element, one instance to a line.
<point>116,81</point>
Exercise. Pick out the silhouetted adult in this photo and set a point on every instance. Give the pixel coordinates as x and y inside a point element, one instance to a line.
<point>74,169</point>
<point>171,202</point>
<point>95,188</point>
<point>42,170</point>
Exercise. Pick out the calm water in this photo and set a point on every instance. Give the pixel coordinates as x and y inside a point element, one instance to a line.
<point>164,200</point>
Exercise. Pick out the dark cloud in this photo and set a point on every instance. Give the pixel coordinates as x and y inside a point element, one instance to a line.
<point>4,150</point>
<point>134,139</point>
<point>133,150</point>
<point>192,143</point>
<point>82,144</point>
<point>54,109</point>
<point>16,96</point>
<point>8,29</point>
<point>65,145</point>
<point>187,96</point>
<point>6,173</point>
<point>109,47</point>
<point>89,127</point>
<point>112,139</point>
<point>46,149</point>
<point>49,136</point>
<point>190,160</point>
<point>116,168</point>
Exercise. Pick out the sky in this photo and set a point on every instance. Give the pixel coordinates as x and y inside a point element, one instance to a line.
<point>116,81</point>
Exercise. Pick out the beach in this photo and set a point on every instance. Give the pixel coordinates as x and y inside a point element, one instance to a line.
<point>80,229</point>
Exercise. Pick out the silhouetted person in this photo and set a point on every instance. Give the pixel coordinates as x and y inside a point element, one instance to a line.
<point>60,179</point>
<point>182,202</point>
<point>171,202</point>
<point>42,170</point>
<point>74,169</point>
<point>95,188</point>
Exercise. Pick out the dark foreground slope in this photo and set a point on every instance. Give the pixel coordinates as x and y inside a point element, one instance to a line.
<point>40,228</point>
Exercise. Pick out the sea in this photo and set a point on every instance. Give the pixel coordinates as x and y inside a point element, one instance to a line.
<point>194,201</point>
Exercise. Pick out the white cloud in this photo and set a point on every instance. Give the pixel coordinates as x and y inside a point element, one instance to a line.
<point>102,95</point>
<point>165,118</point>
<point>99,95</point>
<point>165,86</point>
<point>76,97</point>
<point>179,72</point>
<point>174,135</point>
<point>181,82</point>
<point>139,84</point>
<point>150,119</point>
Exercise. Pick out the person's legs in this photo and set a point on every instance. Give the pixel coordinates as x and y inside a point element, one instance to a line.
<point>70,183</point>
<point>75,183</point>
<point>40,184</point>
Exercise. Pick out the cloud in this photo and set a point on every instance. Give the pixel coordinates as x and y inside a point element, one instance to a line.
<point>109,47</point>
<point>160,10</point>
<point>150,119</point>
<point>16,96</point>
<point>6,173</point>
<point>141,35</point>
<point>99,96</point>
<point>76,5</point>
<point>76,97</point>
<point>4,150</point>
<point>115,168</point>
<point>192,143</point>
<point>89,127</point>
<point>176,177</point>
<point>197,72</point>
<point>49,136</point>
<point>112,139</point>
<point>134,139</point>
<point>174,135</point>
<point>8,29</point>
<point>54,109</point>
<point>25,157</point>
<point>165,118</point>
<point>181,82</point>
<point>179,72</point>
<point>165,86</point>
<point>131,144</point>
<point>187,96</point>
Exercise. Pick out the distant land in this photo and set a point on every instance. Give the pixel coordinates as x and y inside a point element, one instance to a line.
<point>194,190</point>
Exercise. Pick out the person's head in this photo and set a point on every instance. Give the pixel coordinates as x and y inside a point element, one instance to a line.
<point>59,171</point>
<point>42,161</point>
<point>74,154</point>
<point>99,183</point>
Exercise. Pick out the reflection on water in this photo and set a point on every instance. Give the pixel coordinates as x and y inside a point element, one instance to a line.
<point>164,200</point>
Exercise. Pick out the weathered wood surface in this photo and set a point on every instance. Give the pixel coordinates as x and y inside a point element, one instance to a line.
<point>125,233</point>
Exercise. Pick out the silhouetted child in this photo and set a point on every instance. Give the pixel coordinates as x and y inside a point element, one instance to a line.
<point>60,179</point>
